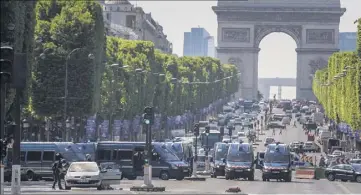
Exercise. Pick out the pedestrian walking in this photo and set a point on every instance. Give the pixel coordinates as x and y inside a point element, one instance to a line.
<point>294,124</point>
<point>280,131</point>
<point>57,169</point>
<point>273,131</point>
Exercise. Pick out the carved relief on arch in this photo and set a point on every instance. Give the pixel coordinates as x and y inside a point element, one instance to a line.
<point>260,31</point>
<point>317,64</point>
<point>237,62</point>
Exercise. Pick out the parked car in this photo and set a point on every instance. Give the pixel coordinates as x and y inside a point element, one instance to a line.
<point>276,125</point>
<point>311,146</point>
<point>344,172</point>
<point>295,146</point>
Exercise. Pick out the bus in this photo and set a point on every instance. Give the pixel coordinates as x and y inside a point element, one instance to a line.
<point>213,137</point>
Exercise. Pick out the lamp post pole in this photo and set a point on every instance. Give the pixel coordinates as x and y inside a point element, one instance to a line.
<point>68,57</point>
<point>113,102</point>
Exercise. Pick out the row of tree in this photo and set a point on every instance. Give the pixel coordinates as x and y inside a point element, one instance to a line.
<point>338,86</point>
<point>137,75</point>
<point>58,34</point>
<point>17,30</point>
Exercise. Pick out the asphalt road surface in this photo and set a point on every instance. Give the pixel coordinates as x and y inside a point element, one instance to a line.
<point>219,185</point>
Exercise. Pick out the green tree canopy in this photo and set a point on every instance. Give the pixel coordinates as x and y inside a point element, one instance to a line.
<point>62,27</point>
<point>133,89</point>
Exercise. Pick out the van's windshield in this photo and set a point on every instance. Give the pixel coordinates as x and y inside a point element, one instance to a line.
<point>221,152</point>
<point>277,158</point>
<point>166,154</point>
<point>239,157</point>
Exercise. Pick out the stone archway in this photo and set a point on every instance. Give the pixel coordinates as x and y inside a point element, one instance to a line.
<point>314,25</point>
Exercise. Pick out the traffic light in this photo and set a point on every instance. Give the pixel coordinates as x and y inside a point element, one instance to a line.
<point>196,129</point>
<point>222,130</point>
<point>208,129</point>
<point>3,144</point>
<point>9,131</point>
<point>6,62</point>
<point>148,116</point>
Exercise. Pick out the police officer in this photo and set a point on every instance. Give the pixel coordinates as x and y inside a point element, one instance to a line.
<point>57,167</point>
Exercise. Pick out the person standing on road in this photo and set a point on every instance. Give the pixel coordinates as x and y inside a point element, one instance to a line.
<point>294,124</point>
<point>280,131</point>
<point>57,167</point>
<point>273,131</point>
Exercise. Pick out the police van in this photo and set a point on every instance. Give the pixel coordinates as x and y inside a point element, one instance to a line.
<point>240,161</point>
<point>218,160</point>
<point>131,158</point>
<point>277,163</point>
<point>37,158</point>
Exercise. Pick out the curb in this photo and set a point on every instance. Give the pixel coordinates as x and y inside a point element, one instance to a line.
<point>147,189</point>
<point>195,179</point>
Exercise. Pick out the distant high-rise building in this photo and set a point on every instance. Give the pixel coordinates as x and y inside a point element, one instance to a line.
<point>198,42</point>
<point>347,41</point>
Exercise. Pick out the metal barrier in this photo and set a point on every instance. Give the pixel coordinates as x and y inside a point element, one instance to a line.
<point>305,173</point>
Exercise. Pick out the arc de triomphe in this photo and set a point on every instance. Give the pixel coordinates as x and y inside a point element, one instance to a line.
<point>242,24</point>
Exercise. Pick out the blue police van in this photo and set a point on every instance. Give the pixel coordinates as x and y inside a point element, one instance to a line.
<point>131,158</point>
<point>277,163</point>
<point>240,161</point>
<point>37,158</point>
<point>218,160</point>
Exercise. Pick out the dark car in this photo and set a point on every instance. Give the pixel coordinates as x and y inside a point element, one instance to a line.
<point>344,172</point>
<point>275,126</point>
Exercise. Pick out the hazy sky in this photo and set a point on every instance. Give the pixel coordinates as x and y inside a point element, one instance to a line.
<point>176,17</point>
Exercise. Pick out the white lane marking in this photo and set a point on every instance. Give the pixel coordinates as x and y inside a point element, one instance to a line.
<point>344,188</point>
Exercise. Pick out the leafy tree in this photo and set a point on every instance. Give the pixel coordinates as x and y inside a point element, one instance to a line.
<point>359,37</point>
<point>137,90</point>
<point>17,30</point>
<point>61,27</point>
<point>339,92</point>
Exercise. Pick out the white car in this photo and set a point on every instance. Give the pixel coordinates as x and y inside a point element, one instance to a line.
<point>89,175</point>
<point>241,134</point>
<point>311,147</point>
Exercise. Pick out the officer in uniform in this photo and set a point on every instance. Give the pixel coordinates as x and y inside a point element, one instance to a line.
<point>57,167</point>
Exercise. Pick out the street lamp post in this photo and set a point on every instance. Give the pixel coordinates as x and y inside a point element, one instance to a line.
<point>159,78</point>
<point>139,72</point>
<point>175,82</point>
<point>67,127</point>
<point>207,155</point>
<point>113,102</point>
<point>43,56</point>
